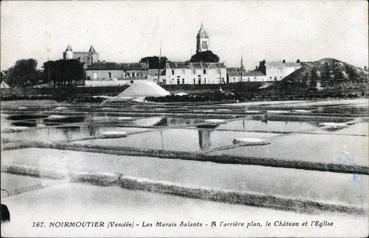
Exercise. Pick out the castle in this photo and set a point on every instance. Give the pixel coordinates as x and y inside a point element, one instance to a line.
<point>87,58</point>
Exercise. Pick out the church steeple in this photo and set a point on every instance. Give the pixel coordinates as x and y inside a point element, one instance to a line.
<point>202,32</point>
<point>202,40</point>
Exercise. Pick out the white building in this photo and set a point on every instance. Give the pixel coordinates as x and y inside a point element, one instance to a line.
<point>276,71</point>
<point>194,73</point>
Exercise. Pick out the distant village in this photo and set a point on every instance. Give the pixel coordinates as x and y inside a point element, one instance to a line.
<point>101,73</point>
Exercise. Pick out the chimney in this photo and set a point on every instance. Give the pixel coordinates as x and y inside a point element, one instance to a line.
<point>284,61</point>
<point>298,61</point>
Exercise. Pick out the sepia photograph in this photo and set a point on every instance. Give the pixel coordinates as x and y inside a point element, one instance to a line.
<point>204,118</point>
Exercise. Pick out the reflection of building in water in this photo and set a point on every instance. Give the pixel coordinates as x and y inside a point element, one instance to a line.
<point>182,121</point>
<point>204,139</point>
<point>92,128</point>
<point>69,131</point>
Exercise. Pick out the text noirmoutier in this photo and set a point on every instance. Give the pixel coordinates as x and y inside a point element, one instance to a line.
<point>144,224</point>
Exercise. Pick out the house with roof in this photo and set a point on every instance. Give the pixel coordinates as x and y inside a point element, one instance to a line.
<point>276,71</point>
<point>114,74</point>
<point>234,76</point>
<point>194,73</point>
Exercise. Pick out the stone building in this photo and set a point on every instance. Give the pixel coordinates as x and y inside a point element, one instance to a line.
<point>87,58</point>
<point>112,74</point>
<point>276,71</point>
<point>234,76</point>
<point>194,73</point>
<point>152,75</point>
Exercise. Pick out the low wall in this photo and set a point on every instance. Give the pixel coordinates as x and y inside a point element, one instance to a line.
<point>95,83</point>
<point>51,93</point>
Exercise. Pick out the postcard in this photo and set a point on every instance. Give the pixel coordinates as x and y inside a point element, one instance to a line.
<point>184,118</point>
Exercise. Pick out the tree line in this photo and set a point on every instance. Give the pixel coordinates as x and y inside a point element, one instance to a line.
<point>59,73</point>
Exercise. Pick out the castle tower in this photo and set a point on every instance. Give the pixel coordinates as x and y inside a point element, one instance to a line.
<point>202,40</point>
<point>68,53</point>
<point>93,55</point>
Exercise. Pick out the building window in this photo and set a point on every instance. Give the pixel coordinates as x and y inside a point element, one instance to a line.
<point>164,81</point>
<point>133,74</point>
<point>183,80</point>
<point>193,71</point>
<point>109,75</point>
<point>178,80</point>
<point>194,81</point>
<point>204,45</point>
<point>204,80</point>
<point>172,71</point>
<point>204,71</point>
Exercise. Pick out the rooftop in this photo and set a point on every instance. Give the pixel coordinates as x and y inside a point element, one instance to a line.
<point>118,66</point>
<point>237,72</point>
<point>202,32</point>
<point>281,64</point>
<point>194,65</point>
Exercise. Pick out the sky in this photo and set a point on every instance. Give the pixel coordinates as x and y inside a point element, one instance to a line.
<point>125,31</point>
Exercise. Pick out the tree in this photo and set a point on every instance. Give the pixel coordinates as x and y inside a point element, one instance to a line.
<point>23,73</point>
<point>313,78</point>
<point>63,72</point>
<point>205,56</point>
<point>153,61</point>
<point>261,67</point>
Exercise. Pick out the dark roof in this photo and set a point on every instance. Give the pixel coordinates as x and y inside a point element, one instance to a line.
<point>92,49</point>
<point>202,32</point>
<point>195,65</point>
<point>281,64</point>
<point>118,66</point>
<point>237,72</point>
<point>69,48</point>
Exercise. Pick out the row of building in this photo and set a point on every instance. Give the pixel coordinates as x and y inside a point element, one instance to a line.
<point>101,73</point>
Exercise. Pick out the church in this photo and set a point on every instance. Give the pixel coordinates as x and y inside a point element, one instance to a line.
<point>195,72</point>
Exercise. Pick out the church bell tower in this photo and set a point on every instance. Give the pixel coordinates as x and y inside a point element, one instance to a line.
<point>202,40</point>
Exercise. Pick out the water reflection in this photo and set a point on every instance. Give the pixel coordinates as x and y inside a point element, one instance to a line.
<point>204,139</point>
<point>69,131</point>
